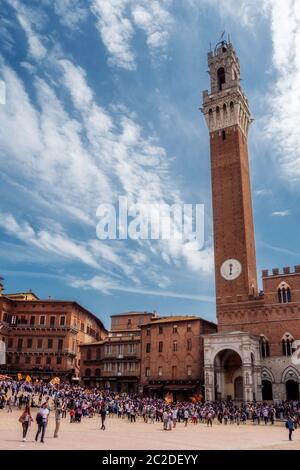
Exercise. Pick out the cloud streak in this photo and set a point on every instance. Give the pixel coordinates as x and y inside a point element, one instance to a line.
<point>107,286</point>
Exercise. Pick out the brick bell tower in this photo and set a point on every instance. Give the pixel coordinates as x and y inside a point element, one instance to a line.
<point>227,114</point>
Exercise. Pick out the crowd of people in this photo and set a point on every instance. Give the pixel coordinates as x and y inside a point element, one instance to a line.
<point>74,402</point>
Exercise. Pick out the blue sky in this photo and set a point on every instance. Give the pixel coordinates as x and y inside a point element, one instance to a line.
<point>102,101</point>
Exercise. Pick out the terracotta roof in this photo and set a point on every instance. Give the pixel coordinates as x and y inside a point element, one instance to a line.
<point>113,339</point>
<point>131,313</point>
<point>172,319</point>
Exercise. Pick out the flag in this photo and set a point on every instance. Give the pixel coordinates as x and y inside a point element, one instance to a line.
<point>169,398</point>
<point>55,381</point>
<point>19,376</point>
<point>28,378</point>
<point>197,398</point>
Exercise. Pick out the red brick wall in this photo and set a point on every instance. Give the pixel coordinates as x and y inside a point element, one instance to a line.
<point>129,321</point>
<point>272,321</point>
<point>167,358</point>
<point>232,211</point>
<point>271,283</point>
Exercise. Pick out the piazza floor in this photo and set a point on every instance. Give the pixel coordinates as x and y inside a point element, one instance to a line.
<point>122,435</point>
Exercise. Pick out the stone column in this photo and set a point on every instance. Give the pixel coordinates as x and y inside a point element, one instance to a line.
<point>2,352</point>
<point>219,381</point>
<point>257,388</point>
<point>247,382</point>
<point>209,377</point>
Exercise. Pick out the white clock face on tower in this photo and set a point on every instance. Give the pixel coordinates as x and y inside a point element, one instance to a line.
<point>231,269</point>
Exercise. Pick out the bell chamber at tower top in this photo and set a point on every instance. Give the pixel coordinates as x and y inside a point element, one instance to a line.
<point>226,105</point>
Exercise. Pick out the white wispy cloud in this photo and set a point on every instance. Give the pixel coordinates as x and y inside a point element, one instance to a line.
<point>116,31</point>
<point>85,154</point>
<point>117,21</point>
<point>28,19</point>
<point>156,21</point>
<point>107,287</point>
<point>284,213</point>
<point>57,243</point>
<point>279,249</point>
<point>83,157</point>
<point>263,192</point>
<point>71,13</point>
<point>283,120</point>
<point>245,12</point>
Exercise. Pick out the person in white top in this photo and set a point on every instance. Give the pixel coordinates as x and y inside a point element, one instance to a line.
<point>42,421</point>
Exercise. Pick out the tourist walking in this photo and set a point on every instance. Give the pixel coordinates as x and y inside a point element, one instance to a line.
<point>42,421</point>
<point>58,417</point>
<point>290,426</point>
<point>186,417</point>
<point>25,419</point>
<point>103,412</point>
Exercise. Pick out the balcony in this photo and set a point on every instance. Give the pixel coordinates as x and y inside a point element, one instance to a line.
<point>33,350</point>
<point>120,374</point>
<point>28,326</point>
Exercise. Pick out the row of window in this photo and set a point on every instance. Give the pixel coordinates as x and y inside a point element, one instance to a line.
<point>113,367</point>
<point>43,320</point>
<point>286,344</point>
<point>189,346</point>
<point>36,360</point>
<point>34,320</point>
<point>116,321</point>
<point>119,366</point>
<point>174,371</point>
<point>37,343</point>
<point>174,329</point>
<point>120,349</point>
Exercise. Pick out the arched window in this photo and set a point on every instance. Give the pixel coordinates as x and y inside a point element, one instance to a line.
<point>231,106</point>
<point>87,372</point>
<point>264,347</point>
<point>97,372</point>
<point>221,77</point>
<point>217,110</point>
<point>287,345</point>
<point>284,293</point>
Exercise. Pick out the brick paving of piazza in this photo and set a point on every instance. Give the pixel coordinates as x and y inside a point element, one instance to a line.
<point>122,435</point>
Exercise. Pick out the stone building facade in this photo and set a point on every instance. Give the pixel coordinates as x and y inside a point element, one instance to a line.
<point>253,355</point>
<point>42,337</point>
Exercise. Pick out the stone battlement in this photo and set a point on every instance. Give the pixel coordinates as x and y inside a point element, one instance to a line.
<point>276,271</point>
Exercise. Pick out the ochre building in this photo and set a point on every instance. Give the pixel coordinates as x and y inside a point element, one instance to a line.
<point>42,337</point>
